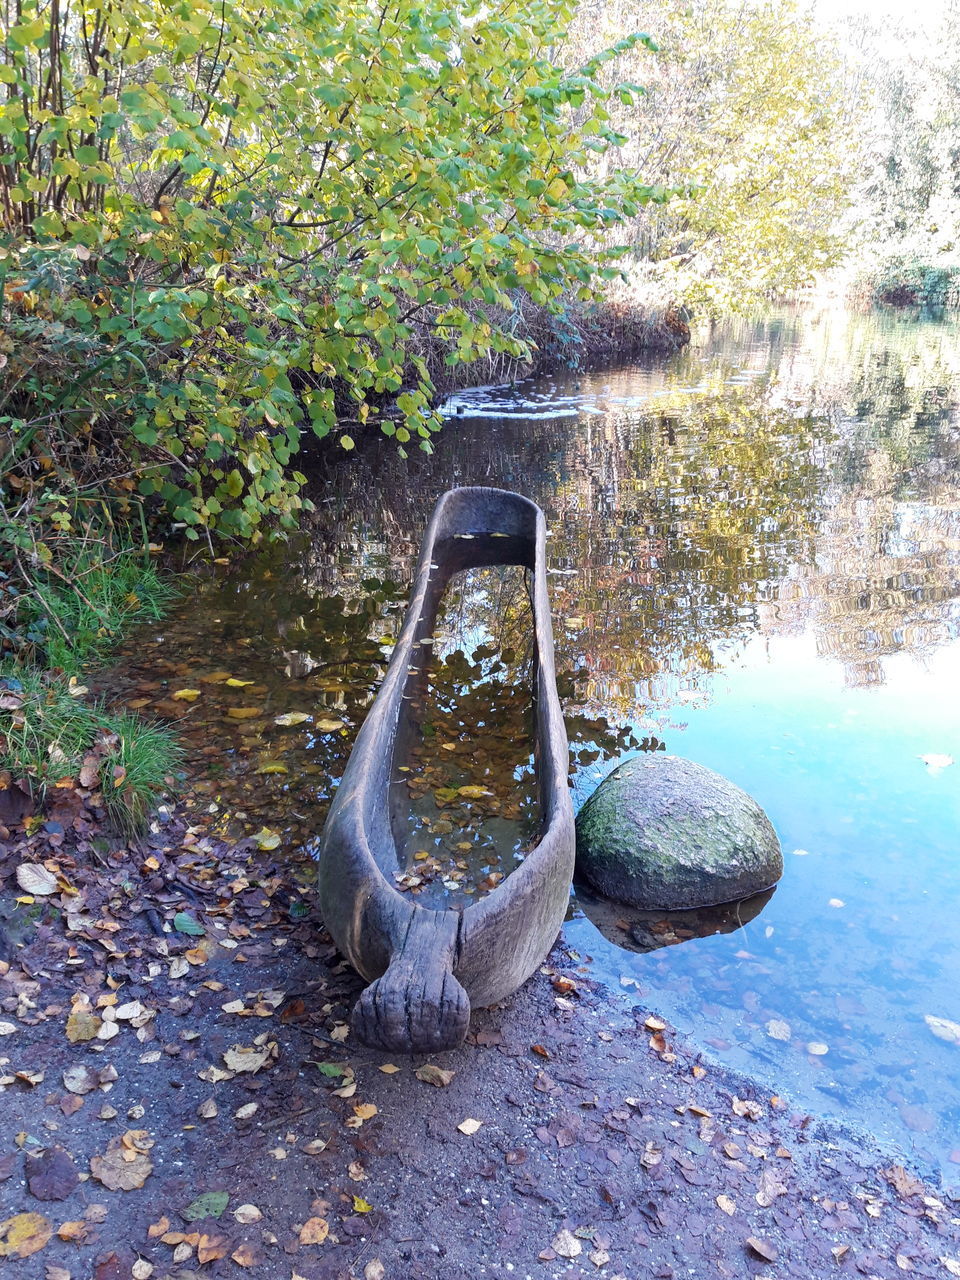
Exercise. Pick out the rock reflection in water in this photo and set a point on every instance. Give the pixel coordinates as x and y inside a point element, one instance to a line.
<point>637,930</point>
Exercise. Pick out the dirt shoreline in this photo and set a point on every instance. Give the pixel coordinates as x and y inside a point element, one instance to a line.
<point>602,1150</point>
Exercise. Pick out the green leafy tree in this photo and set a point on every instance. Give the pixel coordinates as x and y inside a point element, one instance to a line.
<point>753,113</point>
<point>224,221</point>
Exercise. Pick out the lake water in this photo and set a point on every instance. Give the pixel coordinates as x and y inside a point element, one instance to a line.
<point>755,555</point>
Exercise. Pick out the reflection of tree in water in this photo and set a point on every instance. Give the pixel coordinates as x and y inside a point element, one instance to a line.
<point>685,515</point>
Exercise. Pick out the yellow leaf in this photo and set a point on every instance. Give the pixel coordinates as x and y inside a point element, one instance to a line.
<point>314,1231</point>
<point>473,793</point>
<point>389,1069</point>
<point>267,839</point>
<point>23,1234</point>
<point>237,684</point>
<point>243,713</point>
<point>291,718</point>
<point>187,695</point>
<point>361,1206</point>
<point>365,1110</point>
<point>329,726</point>
<point>272,766</point>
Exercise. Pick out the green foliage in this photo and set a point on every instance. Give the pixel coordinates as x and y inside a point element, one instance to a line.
<point>226,221</point>
<point>48,734</point>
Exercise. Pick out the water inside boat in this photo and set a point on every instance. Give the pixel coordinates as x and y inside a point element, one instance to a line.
<point>465,803</point>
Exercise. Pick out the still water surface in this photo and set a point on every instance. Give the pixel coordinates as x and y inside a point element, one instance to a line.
<point>755,555</point>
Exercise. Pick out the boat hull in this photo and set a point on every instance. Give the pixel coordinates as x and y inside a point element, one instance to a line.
<point>428,967</point>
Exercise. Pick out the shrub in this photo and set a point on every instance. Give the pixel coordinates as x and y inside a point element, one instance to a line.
<point>227,221</point>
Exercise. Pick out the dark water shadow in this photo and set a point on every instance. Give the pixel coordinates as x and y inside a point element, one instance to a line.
<point>638,930</point>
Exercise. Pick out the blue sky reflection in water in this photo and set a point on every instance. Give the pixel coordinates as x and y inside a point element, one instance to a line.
<point>817,677</point>
<point>755,555</point>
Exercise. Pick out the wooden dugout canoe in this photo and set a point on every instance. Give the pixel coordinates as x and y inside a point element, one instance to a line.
<point>425,966</point>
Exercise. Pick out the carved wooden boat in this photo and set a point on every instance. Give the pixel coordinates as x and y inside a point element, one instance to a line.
<point>426,967</point>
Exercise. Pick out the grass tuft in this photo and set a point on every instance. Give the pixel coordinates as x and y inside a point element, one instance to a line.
<point>50,736</point>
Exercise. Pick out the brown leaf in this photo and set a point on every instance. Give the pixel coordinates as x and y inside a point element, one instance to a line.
<point>762,1248</point>
<point>770,1187</point>
<point>904,1183</point>
<point>211,1247</point>
<point>245,1255</point>
<point>124,1166</point>
<point>158,1228</point>
<point>51,1175</point>
<point>23,1234</point>
<point>83,1023</point>
<point>53,1272</point>
<point>431,1074</point>
<point>314,1231</point>
<point>74,1232</point>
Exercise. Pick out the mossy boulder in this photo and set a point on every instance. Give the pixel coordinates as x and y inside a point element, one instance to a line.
<point>665,832</point>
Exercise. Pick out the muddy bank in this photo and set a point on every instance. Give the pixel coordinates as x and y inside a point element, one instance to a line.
<point>260,1141</point>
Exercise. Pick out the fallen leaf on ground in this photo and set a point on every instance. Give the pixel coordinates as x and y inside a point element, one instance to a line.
<point>80,1079</point>
<point>52,1175</point>
<point>23,1234</point>
<point>469,1127</point>
<point>361,1206</point>
<point>314,1231</point>
<point>210,1247</point>
<point>770,1188</point>
<point>83,1023</point>
<point>247,1213</point>
<point>762,1248</point>
<point>208,1205</point>
<point>566,1245</point>
<point>186,695</point>
<point>728,1206</point>
<point>431,1074</point>
<point>389,1069</point>
<point>250,1058</point>
<point>747,1108</point>
<point>124,1166</point>
<point>902,1181</point>
<point>35,879</point>
<point>184,922</point>
<point>374,1270</point>
<point>73,1232</point>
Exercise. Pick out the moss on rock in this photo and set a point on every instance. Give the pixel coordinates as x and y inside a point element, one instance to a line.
<point>665,832</point>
